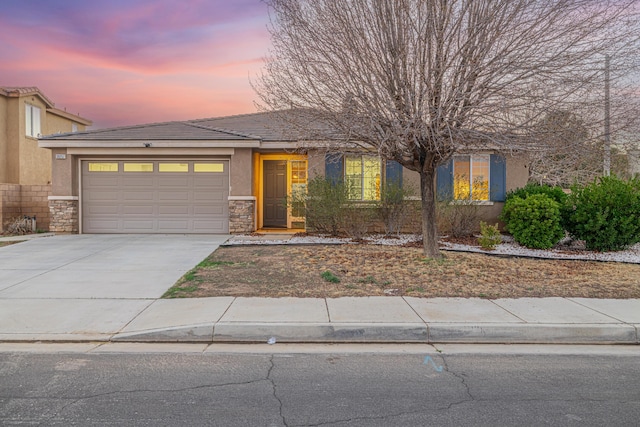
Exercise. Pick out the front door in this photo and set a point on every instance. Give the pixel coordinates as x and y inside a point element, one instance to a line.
<point>275,192</point>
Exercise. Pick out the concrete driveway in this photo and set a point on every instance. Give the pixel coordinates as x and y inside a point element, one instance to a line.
<point>90,284</point>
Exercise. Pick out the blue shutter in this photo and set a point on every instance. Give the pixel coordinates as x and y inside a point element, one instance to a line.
<point>333,167</point>
<point>498,178</point>
<point>444,181</point>
<point>393,173</point>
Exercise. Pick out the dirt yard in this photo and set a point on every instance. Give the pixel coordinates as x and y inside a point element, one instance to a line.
<point>360,270</point>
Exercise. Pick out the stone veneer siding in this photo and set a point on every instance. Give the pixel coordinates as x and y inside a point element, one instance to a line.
<point>241,216</point>
<point>30,200</point>
<point>64,216</point>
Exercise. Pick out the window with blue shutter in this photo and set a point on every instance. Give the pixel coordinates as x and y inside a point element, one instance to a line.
<point>444,181</point>
<point>333,167</point>
<point>479,177</point>
<point>498,180</point>
<point>393,173</point>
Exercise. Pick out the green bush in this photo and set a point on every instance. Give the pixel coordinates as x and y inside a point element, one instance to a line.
<point>490,236</point>
<point>534,222</point>
<point>605,214</point>
<point>556,193</point>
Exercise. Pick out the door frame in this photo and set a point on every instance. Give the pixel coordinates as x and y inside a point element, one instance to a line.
<point>259,178</point>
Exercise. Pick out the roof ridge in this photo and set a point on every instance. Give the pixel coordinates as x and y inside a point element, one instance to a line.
<point>223,130</point>
<point>231,116</point>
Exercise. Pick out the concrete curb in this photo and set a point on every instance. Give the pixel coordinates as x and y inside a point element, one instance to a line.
<point>443,333</point>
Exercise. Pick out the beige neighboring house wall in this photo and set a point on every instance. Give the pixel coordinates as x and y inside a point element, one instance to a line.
<point>25,168</point>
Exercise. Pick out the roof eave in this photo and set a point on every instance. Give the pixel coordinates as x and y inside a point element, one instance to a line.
<point>46,143</point>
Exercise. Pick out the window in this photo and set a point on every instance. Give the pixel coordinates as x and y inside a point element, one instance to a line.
<point>298,186</point>
<point>173,167</point>
<point>138,167</point>
<point>208,167</point>
<point>471,177</point>
<point>362,177</point>
<point>477,177</point>
<point>32,125</point>
<point>103,167</point>
<point>74,127</point>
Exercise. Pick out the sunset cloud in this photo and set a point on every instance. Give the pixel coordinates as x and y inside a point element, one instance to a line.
<point>128,62</point>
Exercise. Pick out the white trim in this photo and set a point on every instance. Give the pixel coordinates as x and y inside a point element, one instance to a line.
<point>64,198</point>
<point>240,198</point>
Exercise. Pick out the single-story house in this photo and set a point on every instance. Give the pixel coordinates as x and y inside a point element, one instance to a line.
<point>226,175</point>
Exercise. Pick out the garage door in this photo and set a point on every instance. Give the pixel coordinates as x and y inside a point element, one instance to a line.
<point>155,196</point>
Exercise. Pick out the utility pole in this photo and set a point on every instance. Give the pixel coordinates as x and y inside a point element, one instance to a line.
<point>607,119</point>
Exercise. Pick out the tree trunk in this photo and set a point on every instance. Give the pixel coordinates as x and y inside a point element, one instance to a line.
<point>429,227</point>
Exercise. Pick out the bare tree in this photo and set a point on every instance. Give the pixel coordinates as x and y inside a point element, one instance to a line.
<point>419,80</point>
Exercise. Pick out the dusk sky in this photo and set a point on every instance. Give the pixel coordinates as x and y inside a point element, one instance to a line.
<point>123,62</point>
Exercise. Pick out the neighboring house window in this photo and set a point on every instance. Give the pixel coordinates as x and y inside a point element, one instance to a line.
<point>479,177</point>
<point>362,177</point>
<point>74,127</point>
<point>32,114</point>
<point>471,177</point>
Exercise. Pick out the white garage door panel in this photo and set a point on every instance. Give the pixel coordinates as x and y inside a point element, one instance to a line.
<point>173,196</point>
<point>179,211</point>
<point>133,226</point>
<point>137,195</point>
<point>173,180</point>
<point>154,202</point>
<point>138,209</point>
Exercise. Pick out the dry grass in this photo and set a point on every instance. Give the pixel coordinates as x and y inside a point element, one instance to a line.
<point>296,271</point>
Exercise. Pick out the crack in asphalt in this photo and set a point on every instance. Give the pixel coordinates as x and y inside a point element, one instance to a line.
<point>275,394</point>
<point>464,383</point>
<point>142,390</point>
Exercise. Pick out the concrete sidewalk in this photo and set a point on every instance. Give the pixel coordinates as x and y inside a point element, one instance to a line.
<point>100,288</point>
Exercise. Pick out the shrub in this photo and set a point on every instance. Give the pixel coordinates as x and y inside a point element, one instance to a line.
<point>490,236</point>
<point>393,207</point>
<point>532,188</point>
<point>605,214</point>
<point>556,193</point>
<point>323,205</point>
<point>356,218</point>
<point>534,222</point>
<point>457,218</point>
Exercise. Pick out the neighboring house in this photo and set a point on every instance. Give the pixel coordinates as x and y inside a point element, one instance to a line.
<point>25,169</point>
<point>225,175</point>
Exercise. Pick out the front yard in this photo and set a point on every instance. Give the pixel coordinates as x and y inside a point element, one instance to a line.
<point>330,271</point>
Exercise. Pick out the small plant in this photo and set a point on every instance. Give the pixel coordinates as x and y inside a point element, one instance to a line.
<point>368,279</point>
<point>20,225</point>
<point>534,222</point>
<point>490,236</point>
<point>330,277</point>
<point>605,213</point>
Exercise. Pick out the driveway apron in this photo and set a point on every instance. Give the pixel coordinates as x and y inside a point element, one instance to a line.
<point>90,285</point>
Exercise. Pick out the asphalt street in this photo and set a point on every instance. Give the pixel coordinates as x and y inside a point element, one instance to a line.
<point>337,388</point>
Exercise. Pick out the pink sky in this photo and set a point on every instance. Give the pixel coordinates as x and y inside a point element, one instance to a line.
<point>123,62</point>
